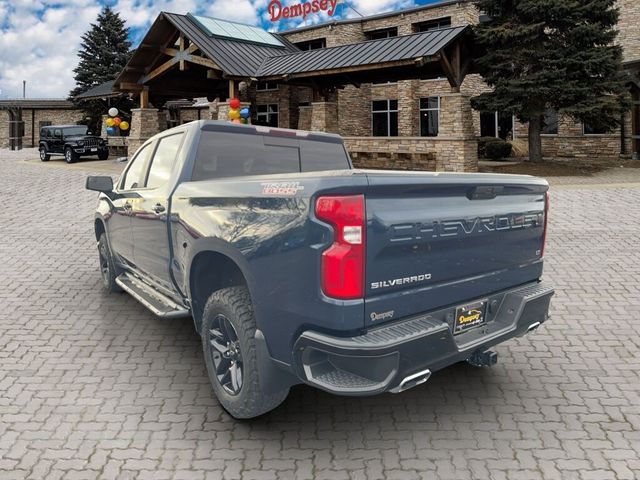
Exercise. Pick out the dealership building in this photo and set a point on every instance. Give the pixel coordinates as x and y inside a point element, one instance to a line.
<point>396,86</point>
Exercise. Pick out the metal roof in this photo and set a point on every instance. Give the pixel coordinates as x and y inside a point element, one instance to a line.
<point>37,103</point>
<point>394,49</point>
<point>234,57</point>
<point>99,91</point>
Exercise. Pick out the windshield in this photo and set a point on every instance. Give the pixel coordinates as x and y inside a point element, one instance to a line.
<point>74,131</point>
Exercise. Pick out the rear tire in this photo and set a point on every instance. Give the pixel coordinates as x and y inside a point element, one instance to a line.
<point>44,156</point>
<point>103,156</point>
<point>232,363</point>
<point>70,156</point>
<point>107,268</point>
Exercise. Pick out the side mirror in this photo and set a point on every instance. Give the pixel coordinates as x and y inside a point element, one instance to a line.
<point>100,184</point>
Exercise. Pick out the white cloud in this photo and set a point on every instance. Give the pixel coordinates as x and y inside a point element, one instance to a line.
<point>39,39</point>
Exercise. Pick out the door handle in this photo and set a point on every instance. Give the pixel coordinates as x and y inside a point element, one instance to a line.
<point>158,208</point>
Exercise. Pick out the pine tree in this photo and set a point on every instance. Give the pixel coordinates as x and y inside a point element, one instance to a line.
<point>103,54</point>
<point>551,54</point>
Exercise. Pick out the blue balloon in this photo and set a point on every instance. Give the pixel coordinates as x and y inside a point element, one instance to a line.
<point>244,113</point>
<point>111,130</point>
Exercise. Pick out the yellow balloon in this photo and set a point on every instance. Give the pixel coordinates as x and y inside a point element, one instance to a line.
<point>110,122</point>
<point>124,125</point>
<point>234,114</point>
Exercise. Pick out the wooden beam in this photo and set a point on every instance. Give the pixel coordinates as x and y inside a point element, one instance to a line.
<point>144,98</point>
<point>159,70</point>
<point>205,62</point>
<point>214,74</point>
<point>131,87</point>
<point>181,44</point>
<point>449,71</point>
<point>232,89</point>
<point>172,52</point>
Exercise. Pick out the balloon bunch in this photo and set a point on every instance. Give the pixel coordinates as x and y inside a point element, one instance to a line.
<point>115,123</point>
<point>237,114</point>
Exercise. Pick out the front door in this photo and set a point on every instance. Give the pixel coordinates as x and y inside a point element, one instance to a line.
<point>119,224</point>
<point>150,209</point>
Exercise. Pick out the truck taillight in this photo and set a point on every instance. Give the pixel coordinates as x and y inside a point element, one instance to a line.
<point>546,223</point>
<point>342,269</point>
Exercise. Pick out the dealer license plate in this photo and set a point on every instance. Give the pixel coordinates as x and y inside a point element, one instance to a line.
<point>469,316</point>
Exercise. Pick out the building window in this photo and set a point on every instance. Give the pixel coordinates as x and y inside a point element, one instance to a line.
<point>429,116</point>
<point>267,115</point>
<point>266,86</point>
<point>550,120</point>
<point>384,115</point>
<point>312,44</point>
<point>382,33</point>
<point>429,25</point>
<point>590,129</point>
<point>496,124</point>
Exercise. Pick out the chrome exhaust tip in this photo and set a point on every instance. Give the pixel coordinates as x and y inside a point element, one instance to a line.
<point>533,327</point>
<point>412,381</point>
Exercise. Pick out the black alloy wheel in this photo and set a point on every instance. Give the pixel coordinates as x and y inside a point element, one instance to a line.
<point>227,357</point>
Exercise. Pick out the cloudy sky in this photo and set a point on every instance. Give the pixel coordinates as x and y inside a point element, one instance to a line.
<point>39,39</point>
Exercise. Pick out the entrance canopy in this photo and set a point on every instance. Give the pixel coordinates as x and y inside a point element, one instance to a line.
<point>190,56</point>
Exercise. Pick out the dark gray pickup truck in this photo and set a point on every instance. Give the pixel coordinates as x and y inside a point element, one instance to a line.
<point>297,268</point>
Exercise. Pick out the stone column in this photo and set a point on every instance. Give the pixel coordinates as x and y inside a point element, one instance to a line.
<point>144,125</point>
<point>304,117</point>
<point>459,148</point>
<point>408,109</point>
<point>103,129</point>
<point>324,117</point>
<point>213,109</point>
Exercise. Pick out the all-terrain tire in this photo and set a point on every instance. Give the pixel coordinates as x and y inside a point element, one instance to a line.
<point>234,305</point>
<point>70,156</point>
<point>107,268</point>
<point>103,156</point>
<point>44,156</point>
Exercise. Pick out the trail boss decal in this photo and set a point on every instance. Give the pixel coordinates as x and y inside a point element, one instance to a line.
<point>281,188</point>
<point>400,281</point>
<point>277,11</point>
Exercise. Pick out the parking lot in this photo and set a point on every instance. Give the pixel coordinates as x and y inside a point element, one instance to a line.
<point>94,386</point>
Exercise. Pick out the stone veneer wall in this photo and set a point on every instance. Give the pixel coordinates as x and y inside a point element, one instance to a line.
<point>629,29</point>
<point>145,123</point>
<point>55,116</point>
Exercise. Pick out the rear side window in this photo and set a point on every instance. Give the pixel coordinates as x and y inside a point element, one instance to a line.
<point>163,160</point>
<point>223,155</point>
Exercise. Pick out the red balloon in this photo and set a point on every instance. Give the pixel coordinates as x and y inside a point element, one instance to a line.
<point>116,121</point>
<point>234,103</point>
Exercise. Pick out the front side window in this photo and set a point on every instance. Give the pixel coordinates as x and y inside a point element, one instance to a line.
<point>267,115</point>
<point>163,160</point>
<point>133,176</point>
<point>550,126</point>
<point>429,116</point>
<point>57,133</point>
<point>384,116</point>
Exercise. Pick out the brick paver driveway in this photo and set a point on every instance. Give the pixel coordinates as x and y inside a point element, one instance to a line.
<point>93,386</point>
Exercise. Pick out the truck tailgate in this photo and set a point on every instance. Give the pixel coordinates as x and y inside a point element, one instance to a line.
<point>435,240</point>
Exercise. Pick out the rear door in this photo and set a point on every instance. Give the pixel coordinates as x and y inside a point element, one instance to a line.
<point>435,240</point>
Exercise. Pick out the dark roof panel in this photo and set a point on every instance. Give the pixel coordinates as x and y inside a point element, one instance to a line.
<point>99,91</point>
<point>392,49</point>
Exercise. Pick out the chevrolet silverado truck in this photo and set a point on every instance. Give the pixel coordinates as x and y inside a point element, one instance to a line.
<point>297,268</point>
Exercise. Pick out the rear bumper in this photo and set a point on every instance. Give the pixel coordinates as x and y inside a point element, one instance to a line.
<point>384,357</point>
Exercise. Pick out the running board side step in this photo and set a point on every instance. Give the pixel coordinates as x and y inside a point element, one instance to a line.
<point>159,304</point>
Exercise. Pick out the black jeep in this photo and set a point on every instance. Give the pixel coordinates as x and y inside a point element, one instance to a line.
<point>72,141</point>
